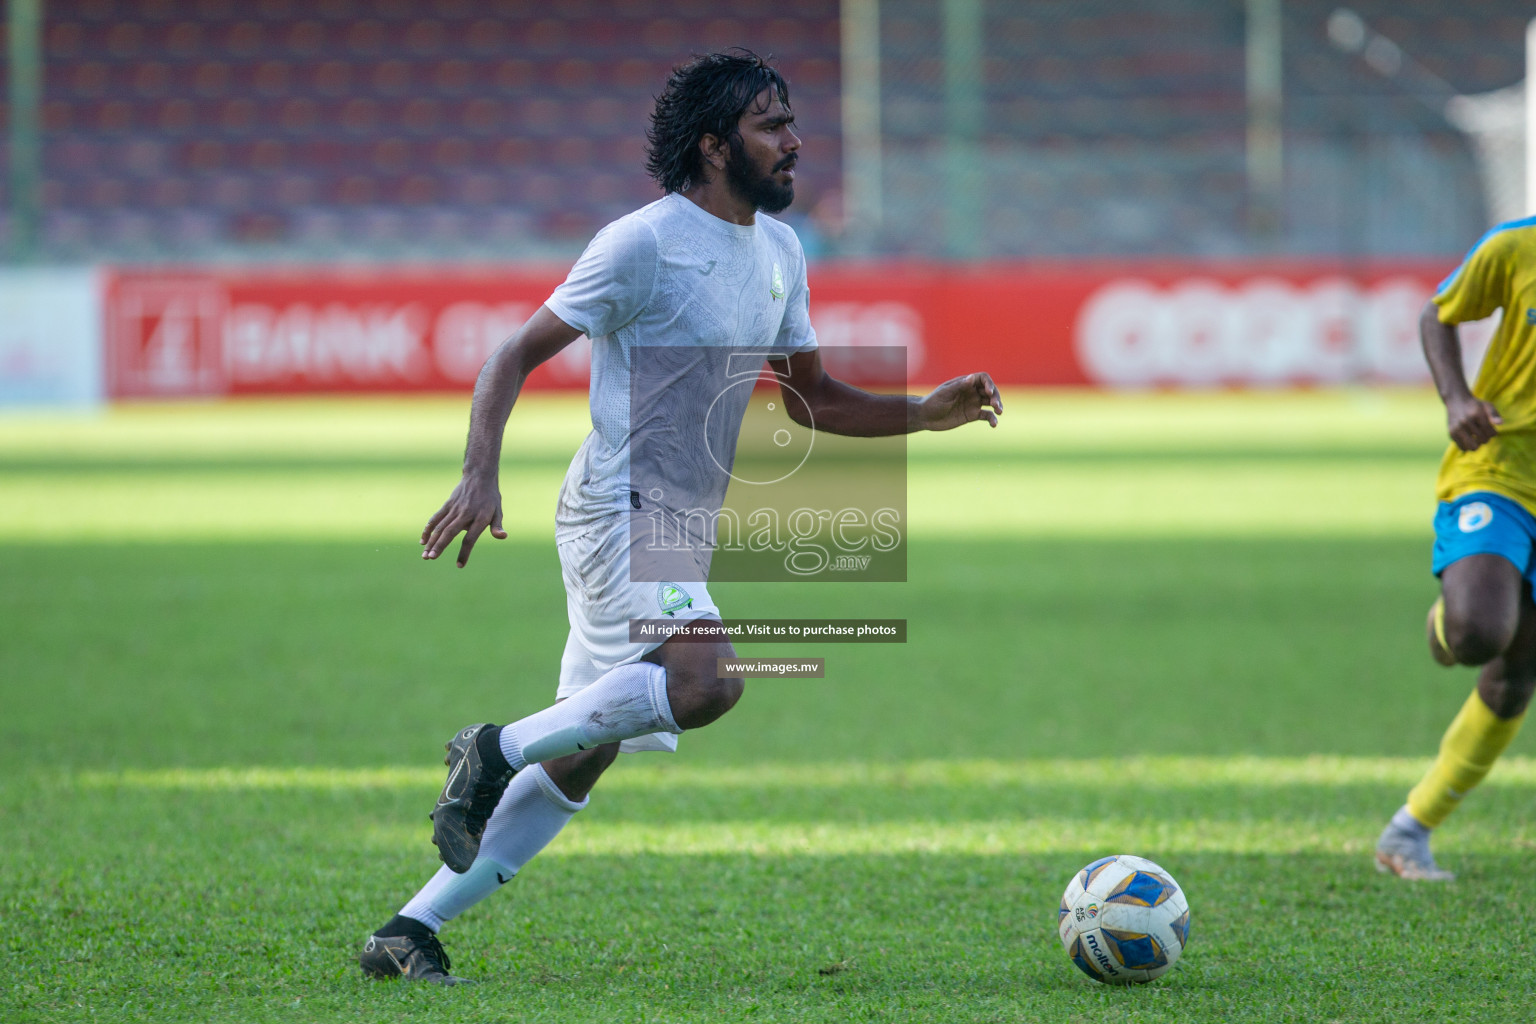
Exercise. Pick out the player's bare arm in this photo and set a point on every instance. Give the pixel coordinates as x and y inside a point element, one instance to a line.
<point>475,503</point>
<point>1470,421</point>
<point>816,399</point>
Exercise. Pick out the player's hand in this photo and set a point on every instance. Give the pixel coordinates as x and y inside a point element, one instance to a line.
<point>962,400</point>
<point>474,504</point>
<point>1472,423</point>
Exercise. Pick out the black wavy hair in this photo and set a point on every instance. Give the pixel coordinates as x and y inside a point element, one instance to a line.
<point>706,96</point>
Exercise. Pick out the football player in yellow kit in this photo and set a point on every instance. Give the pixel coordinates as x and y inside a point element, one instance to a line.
<point>1484,531</point>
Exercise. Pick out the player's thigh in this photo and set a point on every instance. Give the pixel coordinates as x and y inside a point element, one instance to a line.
<point>1483,545</point>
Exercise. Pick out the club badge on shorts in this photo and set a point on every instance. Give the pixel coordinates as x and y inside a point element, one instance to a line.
<point>672,598</point>
<point>1474,517</point>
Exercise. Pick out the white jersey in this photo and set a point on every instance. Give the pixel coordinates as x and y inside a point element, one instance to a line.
<point>718,298</point>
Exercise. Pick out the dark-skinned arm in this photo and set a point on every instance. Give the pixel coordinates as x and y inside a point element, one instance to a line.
<point>1470,421</point>
<point>838,408</point>
<point>475,503</point>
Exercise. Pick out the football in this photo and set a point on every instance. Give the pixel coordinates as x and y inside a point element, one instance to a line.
<point>1123,920</point>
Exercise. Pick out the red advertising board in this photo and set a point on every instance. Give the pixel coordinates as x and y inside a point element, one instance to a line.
<point>1109,325</point>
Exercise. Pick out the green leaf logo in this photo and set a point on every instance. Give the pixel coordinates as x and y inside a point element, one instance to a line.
<point>672,598</point>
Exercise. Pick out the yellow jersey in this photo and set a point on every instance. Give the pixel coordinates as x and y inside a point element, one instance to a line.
<point>1499,273</point>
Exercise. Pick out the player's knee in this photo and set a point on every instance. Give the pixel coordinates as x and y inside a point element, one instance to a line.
<point>1477,641</point>
<point>702,699</point>
<point>727,693</point>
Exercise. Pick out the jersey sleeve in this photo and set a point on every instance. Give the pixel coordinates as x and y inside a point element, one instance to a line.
<point>1481,284</point>
<point>795,332</point>
<point>611,282</point>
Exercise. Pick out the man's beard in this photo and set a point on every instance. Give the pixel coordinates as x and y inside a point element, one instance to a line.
<point>761,190</point>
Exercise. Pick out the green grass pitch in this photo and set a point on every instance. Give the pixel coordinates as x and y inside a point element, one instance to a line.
<point>1186,627</point>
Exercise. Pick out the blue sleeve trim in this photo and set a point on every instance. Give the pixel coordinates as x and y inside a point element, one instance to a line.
<point>1509,225</point>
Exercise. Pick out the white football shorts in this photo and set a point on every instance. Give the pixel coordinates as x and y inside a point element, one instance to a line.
<point>600,601</point>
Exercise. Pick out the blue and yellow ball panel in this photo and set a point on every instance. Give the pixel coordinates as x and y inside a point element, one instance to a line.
<point>1136,951</point>
<point>1092,870</point>
<point>1142,889</point>
<point>1065,910</point>
<point>1081,959</point>
<point>1181,929</point>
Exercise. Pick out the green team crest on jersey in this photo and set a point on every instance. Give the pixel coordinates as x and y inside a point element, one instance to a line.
<point>672,598</point>
<point>777,288</point>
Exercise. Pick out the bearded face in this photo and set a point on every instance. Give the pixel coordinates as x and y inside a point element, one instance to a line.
<point>756,181</point>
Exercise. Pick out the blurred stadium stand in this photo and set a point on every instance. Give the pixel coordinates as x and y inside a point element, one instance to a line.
<point>180,130</point>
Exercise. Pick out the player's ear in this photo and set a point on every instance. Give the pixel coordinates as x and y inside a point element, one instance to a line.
<point>712,148</point>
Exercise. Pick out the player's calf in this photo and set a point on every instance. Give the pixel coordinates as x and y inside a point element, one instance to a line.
<point>576,774</point>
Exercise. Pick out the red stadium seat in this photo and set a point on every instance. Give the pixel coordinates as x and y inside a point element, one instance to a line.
<point>299,116</point>
<point>393,77</point>
<point>62,40</point>
<point>391,155</point>
<point>273,78</point>
<point>426,37</point>
<point>238,116</point>
<point>296,190</point>
<point>355,190</point>
<point>359,116</point>
<point>183,40</point>
<point>365,38</point>
<point>573,75</point>
<point>479,189</point>
<point>421,116</point>
<point>206,155</point>
<point>482,116</point>
<point>125,39</point>
<point>454,76</point>
<point>332,78</point>
<point>418,189</point>
<point>114,117</point>
<point>244,39</point>
<point>306,38</point>
<point>211,78</point>
<point>486,37</point>
<point>453,153</point>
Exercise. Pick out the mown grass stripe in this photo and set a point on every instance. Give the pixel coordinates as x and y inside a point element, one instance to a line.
<point>1171,773</point>
<point>1150,836</point>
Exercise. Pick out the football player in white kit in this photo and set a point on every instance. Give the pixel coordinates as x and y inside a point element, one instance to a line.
<point>668,296</point>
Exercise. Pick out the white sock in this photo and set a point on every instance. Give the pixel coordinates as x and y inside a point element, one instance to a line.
<point>626,702</point>
<point>531,813</point>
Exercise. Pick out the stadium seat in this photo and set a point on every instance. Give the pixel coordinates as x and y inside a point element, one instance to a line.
<point>308,105</point>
